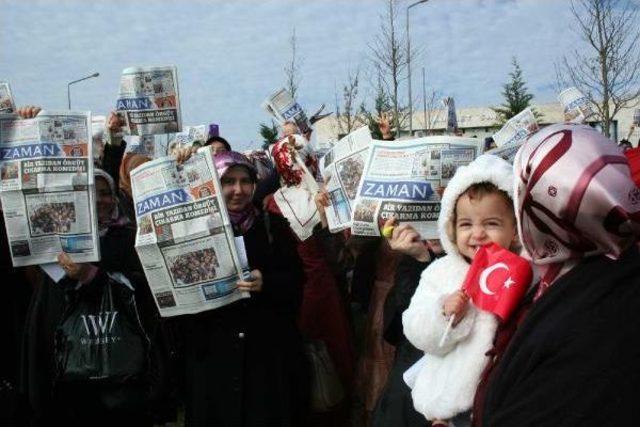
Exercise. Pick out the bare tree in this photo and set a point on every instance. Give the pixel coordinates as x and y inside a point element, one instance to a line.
<point>609,74</point>
<point>292,69</point>
<point>347,113</point>
<point>389,58</point>
<point>431,111</point>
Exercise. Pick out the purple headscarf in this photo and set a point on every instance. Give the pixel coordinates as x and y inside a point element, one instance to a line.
<point>243,220</point>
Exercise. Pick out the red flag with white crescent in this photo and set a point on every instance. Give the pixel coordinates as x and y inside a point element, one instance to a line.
<point>497,280</point>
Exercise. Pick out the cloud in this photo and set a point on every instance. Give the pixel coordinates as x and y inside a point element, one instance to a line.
<point>230,55</point>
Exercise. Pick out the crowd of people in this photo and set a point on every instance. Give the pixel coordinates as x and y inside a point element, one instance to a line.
<point>49,218</point>
<point>343,330</point>
<point>194,267</point>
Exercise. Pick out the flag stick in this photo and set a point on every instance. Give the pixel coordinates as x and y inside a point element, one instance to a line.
<point>446,331</point>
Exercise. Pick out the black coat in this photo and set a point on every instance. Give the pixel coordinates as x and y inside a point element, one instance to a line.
<point>395,406</point>
<point>245,363</point>
<point>46,404</point>
<point>575,358</point>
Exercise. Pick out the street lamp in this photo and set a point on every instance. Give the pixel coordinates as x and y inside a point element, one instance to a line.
<point>409,66</point>
<point>76,81</point>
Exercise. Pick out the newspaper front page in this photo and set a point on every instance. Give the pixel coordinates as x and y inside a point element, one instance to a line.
<point>148,100</point>
<point>577,107</point>
<point>47,187</point>
<point>517,129</point>
<point>283,107</point>
<point>7,104</point>
<point>185,241</point>
<point>403,179</point>
<point>342,169</point>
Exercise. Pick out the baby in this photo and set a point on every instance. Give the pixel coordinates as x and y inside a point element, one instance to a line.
<point>476,209</point>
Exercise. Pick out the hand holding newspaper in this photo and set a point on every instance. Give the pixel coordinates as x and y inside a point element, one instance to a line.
<point>185,241</point>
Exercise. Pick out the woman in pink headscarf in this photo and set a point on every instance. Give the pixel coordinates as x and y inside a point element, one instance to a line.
<point>574,358</point>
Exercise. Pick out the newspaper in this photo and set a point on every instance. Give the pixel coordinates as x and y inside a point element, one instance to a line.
<point>283,107</point>
<point>7,104</point>
<point>577,107</point>
<point>148,100</point>
<point>404,179</point>
<point>452,118</point>
<point>517,129</point>
<point>185,241</point>
<point>161,145</point>
<point>636,117</point>
<point>506,152</point>
<point>47,187</point>
<point>342,169</point>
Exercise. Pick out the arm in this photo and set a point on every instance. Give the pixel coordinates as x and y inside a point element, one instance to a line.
<point>424,323</point>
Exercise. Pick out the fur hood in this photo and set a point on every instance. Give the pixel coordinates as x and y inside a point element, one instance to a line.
<point>486,168</point>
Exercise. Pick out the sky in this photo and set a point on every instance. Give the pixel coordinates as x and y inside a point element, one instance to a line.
<point>231,54</point>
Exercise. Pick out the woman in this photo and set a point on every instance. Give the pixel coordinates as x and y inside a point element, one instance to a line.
<point>245,364</point>
<point>573,359</point>
<point>75,403</point>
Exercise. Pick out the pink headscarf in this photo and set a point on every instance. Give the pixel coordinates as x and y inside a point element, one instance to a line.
<point>241,221</point>
<point>574,198</point>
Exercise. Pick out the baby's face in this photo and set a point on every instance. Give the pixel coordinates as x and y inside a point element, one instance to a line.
<point>484,220</point>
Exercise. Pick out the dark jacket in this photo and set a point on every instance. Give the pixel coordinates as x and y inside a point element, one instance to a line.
<point>395,406</point>
<point>245,363</point>
<point>48,401</point>
<point>573,361</point>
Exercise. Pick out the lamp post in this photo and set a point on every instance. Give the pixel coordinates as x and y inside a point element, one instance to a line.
<point>409,65</point>
<point>424,102</point>
<point>76,81</point>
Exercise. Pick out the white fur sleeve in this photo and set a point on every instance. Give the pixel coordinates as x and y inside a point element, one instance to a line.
<point>423,322</point>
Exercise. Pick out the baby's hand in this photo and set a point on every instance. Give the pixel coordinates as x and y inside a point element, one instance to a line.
<point>456,304</point>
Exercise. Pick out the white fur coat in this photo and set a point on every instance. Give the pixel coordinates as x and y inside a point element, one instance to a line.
<point>443,383</point>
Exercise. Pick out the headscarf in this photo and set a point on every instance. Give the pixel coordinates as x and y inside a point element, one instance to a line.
<point>243,220</point>
<point>115,218</point>
<point>575,198</point>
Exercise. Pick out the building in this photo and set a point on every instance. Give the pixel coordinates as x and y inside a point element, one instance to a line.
<point>482,122</point>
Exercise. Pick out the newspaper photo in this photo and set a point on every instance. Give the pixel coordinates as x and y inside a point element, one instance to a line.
<point>517,129</point>
<point>148,100</point>
<point>342,169</point>
<point>7,104</point>
<point>184,240</point>
<point>576,106</point>
<point>405,179</point>
<point>47,187</point>
<point>283,107</point>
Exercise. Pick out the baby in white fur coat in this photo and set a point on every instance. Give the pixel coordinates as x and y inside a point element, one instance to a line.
<point>477,209</point>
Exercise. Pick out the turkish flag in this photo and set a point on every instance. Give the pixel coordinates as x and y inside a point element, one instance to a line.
<point>497,280</point>
<point>633,155</point>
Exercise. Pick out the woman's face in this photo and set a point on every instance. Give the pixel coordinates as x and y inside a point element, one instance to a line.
<point>237,188</point>
<point>105,201</point>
